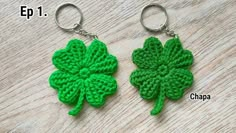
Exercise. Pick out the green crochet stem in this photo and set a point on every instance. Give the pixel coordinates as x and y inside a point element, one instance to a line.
<point>84,74</point>
<point>159,103</point>
<point>163,71</point>
<point>79,104</point>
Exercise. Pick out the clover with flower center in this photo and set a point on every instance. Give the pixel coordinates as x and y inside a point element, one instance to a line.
<point>162,71</point>
<point>84,73</point>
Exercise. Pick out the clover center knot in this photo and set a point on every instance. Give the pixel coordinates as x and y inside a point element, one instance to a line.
<point>163,70</point>
<point>84,73</point>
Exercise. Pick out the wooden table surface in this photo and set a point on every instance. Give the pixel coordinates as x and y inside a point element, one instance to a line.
<point>29,104</point>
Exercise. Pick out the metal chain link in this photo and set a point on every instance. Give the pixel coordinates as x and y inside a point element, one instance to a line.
<point>85,33</point>
<point>168,31</point>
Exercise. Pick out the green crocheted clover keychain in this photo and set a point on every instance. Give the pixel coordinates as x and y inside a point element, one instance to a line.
<point>83,73</point>
<point>163,71</point>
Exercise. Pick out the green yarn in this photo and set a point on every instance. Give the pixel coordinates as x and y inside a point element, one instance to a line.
<point>84,73</point>
<point>162,71</point>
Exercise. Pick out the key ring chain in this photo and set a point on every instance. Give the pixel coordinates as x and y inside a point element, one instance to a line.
<point>77,27</point>
<point>163,27</point>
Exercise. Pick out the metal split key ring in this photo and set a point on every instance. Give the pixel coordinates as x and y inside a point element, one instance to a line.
<point>163,27</point>
<point>77,27</point>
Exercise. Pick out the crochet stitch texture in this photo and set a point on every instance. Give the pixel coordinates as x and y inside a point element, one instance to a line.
<point>162,71</point>
<point>84,73</point>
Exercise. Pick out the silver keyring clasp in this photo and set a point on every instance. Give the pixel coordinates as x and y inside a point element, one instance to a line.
<point>163,27</point>
<point>76,25</point>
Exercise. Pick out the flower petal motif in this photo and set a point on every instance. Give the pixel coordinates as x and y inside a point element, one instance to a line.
<point>150,88</point>
<point>184,60</point>
<point>146,81</point>
<point>177,82</point>
<point>96,52</point>
<point>70,58</point>
<point>139,76</point>
<point>107,66</point>
<point>162,71</point>
<point>84,74</point>
<point>97,87</point>
<point>67,85</point>
<point>176,55</point>
<point>59,78</point>
<point>147,57</point>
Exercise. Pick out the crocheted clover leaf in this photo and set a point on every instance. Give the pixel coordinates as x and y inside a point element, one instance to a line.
<point>83,74</point>
<point>162,71</point>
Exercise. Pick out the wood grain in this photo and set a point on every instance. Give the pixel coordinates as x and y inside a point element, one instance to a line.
<point>28,104</point>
